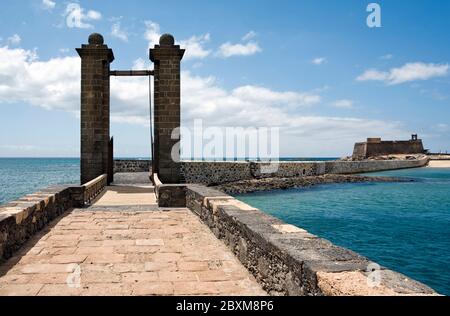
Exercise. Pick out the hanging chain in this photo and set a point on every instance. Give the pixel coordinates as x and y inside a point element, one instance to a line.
<point>151,113</point>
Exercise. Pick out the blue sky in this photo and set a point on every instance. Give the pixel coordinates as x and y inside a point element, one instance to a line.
<point>313,68</point>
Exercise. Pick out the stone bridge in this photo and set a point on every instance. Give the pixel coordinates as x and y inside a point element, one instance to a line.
<point>120,235</point>
<point>115,240</point>
<point>123,244</point>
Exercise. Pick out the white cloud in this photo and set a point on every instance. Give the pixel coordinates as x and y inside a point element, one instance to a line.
<point>203,98</point>
<point>140,64</point>
<point>250,35</point>
<point>14,40</point>
<point>387,57</point>
<point>343,104</point>
<point>94,15</point>
<point>228,49</point>
<point>64,50</point>
<point>407,73</point>
<point>48,4</point>
<point>118,32</point>
<point>319,60</point>
<point>152,33</point>
<point>19,148</point>
<point>55,85</point>
<point>76,17</point>
<point>373,74</point>
<point>197,65</point>
<point>441,127</point>
<point>195,47</point>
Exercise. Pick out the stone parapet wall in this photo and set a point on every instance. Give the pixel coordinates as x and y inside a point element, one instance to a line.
<point>132,165</point>
<point>287,260</point>
<point>21,219</point>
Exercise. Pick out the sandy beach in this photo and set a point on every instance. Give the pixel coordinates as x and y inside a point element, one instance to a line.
<point>439,164</point>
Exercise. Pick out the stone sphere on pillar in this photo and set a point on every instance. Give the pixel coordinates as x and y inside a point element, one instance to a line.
<point>96,39</point>
<point>167,40</point>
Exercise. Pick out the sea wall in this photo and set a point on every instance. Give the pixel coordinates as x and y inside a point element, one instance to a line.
<point>287,169</point>
<point>216,173</point>
<point>287,260</point>
<point>351,167</point>
<point>132,165</point>
<point>219,172</point>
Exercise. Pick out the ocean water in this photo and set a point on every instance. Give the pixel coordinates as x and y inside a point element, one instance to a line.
<point>21,176</point>
<point>402,226</point>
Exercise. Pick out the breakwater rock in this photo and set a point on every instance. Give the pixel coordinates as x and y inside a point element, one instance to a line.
<point>268,184</point>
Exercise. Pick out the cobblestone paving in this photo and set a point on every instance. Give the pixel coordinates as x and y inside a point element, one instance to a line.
<point>126,253</point>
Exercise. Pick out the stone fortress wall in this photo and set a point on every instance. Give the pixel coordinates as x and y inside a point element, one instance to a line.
<point>376,147</point>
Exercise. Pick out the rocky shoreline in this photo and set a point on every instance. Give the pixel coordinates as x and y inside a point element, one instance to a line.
<point>269,184</point>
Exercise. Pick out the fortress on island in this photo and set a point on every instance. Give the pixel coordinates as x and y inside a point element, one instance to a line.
<point>375,147</point>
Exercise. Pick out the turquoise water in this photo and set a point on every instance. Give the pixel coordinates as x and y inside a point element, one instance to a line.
<point>402,226</point>
<point>21,176</point>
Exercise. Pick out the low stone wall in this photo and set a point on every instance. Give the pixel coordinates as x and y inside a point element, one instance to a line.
<point>21,219</point>
<point>216,173</point>
<point>209,173</point>
<point>270,184</point>
<point>287,260</point>
<point>219,172</point>
<point>350,167</point>
<point>169,195</point>
<point>130,165</point>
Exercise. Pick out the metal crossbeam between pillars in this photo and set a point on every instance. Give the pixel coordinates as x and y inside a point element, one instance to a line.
<point>131,73</point>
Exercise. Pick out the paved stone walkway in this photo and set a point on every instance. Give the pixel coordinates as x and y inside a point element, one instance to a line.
<point>127,196</point>
<point>112,251</point>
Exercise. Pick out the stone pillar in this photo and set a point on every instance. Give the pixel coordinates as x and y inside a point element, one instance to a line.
<point>166,57</point>
<point>95,65</point>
